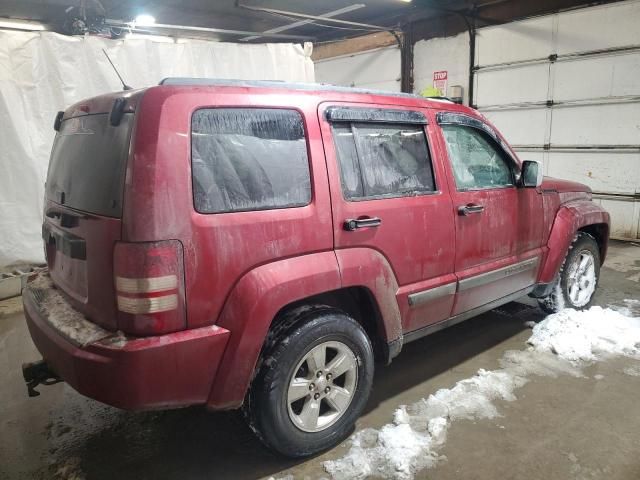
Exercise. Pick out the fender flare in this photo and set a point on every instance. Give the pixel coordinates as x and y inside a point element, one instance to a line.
<point>368,268</point>
<point>273,286</point>
<point>570,218</point>
<point>250,308</point>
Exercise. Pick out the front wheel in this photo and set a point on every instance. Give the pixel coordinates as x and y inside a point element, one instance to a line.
<point>313,384</point>
<point>578,279</point>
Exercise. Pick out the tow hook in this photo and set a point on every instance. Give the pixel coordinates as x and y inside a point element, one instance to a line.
<point>38,373</point>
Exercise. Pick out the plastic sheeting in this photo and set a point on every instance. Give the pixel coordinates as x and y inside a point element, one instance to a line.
<point>43,73</point>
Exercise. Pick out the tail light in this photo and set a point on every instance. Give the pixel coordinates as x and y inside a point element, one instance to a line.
<point>149,280</point>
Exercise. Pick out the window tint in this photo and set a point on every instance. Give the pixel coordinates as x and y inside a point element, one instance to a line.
<point>477,162</point>
<point>249,159</point>
<point>382,160</point>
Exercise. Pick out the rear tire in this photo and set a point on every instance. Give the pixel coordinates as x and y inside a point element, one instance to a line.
<point>577,281</point>
<point>313,382</point>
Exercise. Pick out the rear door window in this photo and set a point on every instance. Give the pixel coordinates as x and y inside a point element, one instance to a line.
<point>88,163</point>
<point>382,160</point>
<point>249,159</point>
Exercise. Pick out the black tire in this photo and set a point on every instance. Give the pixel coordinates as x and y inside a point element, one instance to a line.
<point>560,297</point>
<point>266,407</point>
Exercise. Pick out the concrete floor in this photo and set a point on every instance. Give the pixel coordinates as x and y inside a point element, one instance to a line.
<point>559,428</point>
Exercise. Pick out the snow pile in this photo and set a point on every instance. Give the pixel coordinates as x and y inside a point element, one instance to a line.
<point>632,306</point>
<point>633,371</point>
<point>395,451</point>
<point>589,335</point>
<point>410,443</point>
<point>559,345</point>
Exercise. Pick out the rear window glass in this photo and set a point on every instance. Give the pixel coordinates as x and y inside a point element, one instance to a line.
<point>88,163</point>
<point>382,161</point>
<point>249,159</point>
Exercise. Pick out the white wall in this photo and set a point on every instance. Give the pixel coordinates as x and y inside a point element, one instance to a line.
<point>377,69</point>
<point>42,73</point>
<point>438,54</point>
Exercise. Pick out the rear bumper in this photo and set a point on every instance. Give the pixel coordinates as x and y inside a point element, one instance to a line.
<point>165,371</point>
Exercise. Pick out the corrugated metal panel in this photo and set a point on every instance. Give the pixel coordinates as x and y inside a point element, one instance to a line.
<point>610,75</point>
<point>608,26</point>
<point>626,213</point>
<point>514,42</point>
<point>602,176</point>
<point>565,88</point>
<point>604,124</point>
<point>522,126</point>
<point>496,86</point>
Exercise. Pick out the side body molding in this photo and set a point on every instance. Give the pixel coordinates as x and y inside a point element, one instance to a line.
<point>568,220</point>
<point>250,308</point>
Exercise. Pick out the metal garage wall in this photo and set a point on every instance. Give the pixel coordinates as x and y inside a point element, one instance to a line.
<point>439,54</point>
<point>42,73</point>
<point>565,89</point>
<point>376,69</point>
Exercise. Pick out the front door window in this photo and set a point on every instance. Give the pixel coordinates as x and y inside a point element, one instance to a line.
<point>477,163</point>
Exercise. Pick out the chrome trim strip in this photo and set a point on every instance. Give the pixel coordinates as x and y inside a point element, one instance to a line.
<point>426,296</point>
<point>146,285</point>
<point>147,305</point>
<point>499,274</point>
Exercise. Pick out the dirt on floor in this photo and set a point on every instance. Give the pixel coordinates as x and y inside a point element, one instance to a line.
<point>558,428</point>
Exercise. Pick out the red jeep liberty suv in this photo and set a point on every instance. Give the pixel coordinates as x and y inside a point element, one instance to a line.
<point>260,244</point>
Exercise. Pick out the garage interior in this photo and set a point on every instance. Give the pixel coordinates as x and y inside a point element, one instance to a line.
<point>559,78</point>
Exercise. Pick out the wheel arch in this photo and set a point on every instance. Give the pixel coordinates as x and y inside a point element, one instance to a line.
<point>571,218</point>
<point>250,309</point>
<point>356,301</point>
<point>264,295</point>
<point>600,232</point>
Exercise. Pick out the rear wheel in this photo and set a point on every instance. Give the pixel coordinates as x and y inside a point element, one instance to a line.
<point>313,384</point>
<point>578,279</point>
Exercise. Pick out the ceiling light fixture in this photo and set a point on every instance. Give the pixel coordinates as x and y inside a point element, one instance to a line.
<point>144,20</point>
<point>21,25</point>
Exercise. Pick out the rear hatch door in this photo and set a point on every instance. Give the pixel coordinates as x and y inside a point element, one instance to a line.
<point>83,205</point>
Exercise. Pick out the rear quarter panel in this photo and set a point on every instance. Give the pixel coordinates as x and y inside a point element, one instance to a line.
<point>254,302</point>
<point>218,248</point>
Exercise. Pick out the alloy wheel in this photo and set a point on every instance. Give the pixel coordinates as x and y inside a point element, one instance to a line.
<point>322,386</point>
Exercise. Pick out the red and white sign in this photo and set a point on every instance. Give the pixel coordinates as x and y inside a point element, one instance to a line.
<point>440,81</point>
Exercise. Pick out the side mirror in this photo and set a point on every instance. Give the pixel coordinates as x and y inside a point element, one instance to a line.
<point>531,176</point>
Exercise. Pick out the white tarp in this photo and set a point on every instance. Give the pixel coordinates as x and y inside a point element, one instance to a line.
<point>43,73</point>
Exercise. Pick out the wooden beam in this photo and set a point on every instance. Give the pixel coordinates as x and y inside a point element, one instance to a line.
<point>352,45</point>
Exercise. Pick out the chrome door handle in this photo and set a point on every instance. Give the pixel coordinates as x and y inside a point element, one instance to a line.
<point>353,224</point>
<point>470,208</point>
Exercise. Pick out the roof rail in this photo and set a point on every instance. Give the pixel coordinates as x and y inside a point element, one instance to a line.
<point>314,87</point>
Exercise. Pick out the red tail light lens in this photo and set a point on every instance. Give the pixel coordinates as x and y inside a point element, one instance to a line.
<point>149,280</point>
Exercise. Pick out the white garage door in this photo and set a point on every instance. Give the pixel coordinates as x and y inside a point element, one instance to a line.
<point>377,69</point>
<point>565,89</point>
